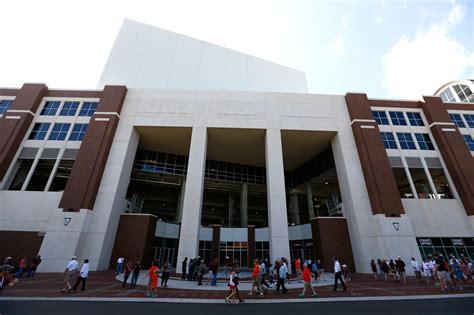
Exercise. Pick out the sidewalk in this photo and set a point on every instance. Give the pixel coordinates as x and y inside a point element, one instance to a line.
<point>104,285</point>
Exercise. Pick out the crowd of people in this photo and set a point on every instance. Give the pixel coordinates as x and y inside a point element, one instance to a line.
<point>448,274</point>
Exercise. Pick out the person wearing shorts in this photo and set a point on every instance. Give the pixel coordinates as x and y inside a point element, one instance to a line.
<point>153,280</point>
<point>307,278</point>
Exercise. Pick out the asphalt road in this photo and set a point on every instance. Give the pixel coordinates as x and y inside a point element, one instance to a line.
<point>443,306</point>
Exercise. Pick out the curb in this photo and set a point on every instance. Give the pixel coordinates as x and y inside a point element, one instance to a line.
<point>221,301</point>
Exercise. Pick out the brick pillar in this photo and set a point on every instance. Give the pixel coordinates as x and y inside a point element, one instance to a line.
<point>381,186</point>
<point>134,239</point>
<point>15,122</point>
<point>331,239</point>
<point>252,253</point>
<point>86,174</point>
<point>216,241</point>
<point>453,149</point>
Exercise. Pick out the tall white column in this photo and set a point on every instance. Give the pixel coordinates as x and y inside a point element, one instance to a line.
<point>276,196</point>
<point>192,205</point>
<point>244,206</point>
<point>295,210</point>
<point>179,214</point>
<point>309,196</point>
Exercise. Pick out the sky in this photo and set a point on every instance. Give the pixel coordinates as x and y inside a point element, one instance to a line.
<point>385,48</point>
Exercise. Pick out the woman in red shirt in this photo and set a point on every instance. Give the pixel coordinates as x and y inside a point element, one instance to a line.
<point>151,290</point>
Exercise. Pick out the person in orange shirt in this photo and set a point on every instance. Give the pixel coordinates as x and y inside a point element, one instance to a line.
<point>298,269</point>
<point>151,290</point>
<point>307,278</point>
<point>256,284</point>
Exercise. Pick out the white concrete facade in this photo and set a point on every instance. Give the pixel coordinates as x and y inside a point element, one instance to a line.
<point>144,56</point>
<point>91,234</point>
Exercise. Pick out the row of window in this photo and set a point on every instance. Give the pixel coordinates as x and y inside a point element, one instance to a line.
<point>51,108</point>
<point>397,118</point>
<point>458,121</point>
<point>406,141</point>
<point>59,132</point>
<point>4,106</point>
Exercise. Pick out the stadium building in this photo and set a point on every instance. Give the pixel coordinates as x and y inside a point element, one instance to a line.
<point>187,148</point>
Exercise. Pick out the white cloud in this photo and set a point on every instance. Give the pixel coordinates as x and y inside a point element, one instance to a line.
<point>456,15</point>
<point>345,22</point>
<point>379,19</point>
<point>418,66</point>
<point>336,46</point>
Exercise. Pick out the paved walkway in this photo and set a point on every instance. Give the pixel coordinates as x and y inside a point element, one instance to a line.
<point>104,285</point>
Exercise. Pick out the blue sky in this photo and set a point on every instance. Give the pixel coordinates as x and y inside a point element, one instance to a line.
<point>388,49</point>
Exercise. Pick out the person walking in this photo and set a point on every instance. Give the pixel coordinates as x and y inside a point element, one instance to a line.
<point>417,269</point>
<point>400,266</point>
<point>34,265</point>
<point>136,272</point>
<point>165,274</point>
<point>263,273</point>
<point>118,270</point>
<point>82,276</point>
<point>213,266</point>
<point>5,281</point>
<point>256,285</point>
<point>70,273</point>
<point>320,270</point>
<point>227,262</point>
<point>298,269</point>
<point>200,272</point>
<point>307,279</point>
<point>21,267</point>
<point>373,266</point>
<point>232,287</point>
<point>338,274</point>
<point>126,274</point>
<point>151,290</point>
<point>184,264</point>
<point>427,270</point>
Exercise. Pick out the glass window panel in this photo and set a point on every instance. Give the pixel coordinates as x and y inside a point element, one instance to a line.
<point>397,118</point>
<point>62,175</point>
<point>59,132</point>
<point>4,105</point>
<point>388,140</point>
<point>41,175</point>
<point>403,184</point>
<point>78,132</point>
<point>69,109</point>
<point>88,109</point>
<point>441,183</point>
<point>380,117</point>
<point>415,119</point>
<point>22,168</point>
<point>406,141</point>
<point>422,186</point>
<point>50,108</point>
<point>424,141</point>
<point>39,131</point>
<point>469,141</point>
<point>469,119</point>
<point>456,118</point>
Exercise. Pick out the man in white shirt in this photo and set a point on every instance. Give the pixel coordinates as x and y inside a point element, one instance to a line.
<point>70,273</point>
<point>82,275</point>
<point>416,269</point>
<point>118,270</point>
<point>338,274</point>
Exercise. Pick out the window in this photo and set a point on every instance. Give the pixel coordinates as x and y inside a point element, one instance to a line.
<point>415,119</point>
<point>50,108</point>
<point>39,131</point>
<point>62,175</point>
<point>380,117</point>
<point>59,131</point>
<point>4,106</point>
<point>397,119</point>
<point>406,141</point>
<point>88,109</point>
<point>69,109</point>
<point>469,142</point>
<point>78,132</point>
<point>422,185</point>
<point>388,140</point>
<point>22,168</point>
<point>447,96</point>
<point>456,118</point>
<point>441,183</point>
<point>424,141</point>
<point>469,119</point>
<point>402,182</point>
<point>41,175</point>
